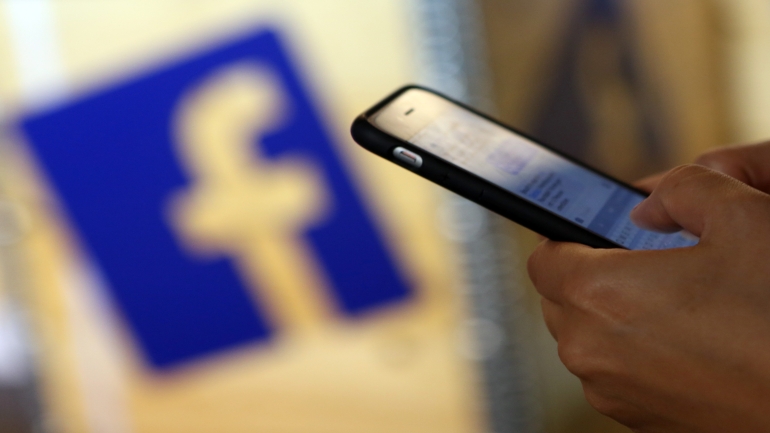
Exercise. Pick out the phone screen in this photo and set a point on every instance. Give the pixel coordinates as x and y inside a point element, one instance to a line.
<point>523,167</point>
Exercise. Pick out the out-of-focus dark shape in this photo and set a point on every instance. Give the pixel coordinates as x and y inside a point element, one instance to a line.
<point>629,86</point>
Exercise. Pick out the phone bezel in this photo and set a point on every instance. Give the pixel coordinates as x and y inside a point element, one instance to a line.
<point>474,187</point>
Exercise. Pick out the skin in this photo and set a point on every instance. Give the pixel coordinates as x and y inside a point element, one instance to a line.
<point>676,340</point>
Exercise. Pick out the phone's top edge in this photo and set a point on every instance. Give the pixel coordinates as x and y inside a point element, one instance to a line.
<point>380,105</point>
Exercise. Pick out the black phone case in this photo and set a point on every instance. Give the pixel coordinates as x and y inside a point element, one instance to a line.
<point>473,187</point>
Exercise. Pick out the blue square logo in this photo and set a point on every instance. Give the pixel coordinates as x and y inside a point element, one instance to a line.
<point>187,184</point>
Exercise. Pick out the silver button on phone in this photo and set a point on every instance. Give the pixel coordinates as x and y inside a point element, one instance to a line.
<point>408,157</point>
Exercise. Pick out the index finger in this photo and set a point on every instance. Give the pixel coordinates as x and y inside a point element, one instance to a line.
<point>747,163</point>
<point>691,198</point>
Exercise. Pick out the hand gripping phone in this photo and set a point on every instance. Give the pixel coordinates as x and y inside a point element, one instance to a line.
<point>506,171</point>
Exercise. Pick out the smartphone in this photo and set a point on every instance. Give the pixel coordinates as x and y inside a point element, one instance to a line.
<point>506,171</point>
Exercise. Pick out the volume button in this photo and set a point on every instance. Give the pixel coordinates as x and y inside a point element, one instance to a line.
<point>408,157</point>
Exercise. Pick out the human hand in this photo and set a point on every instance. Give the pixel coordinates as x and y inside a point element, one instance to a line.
<point>673,340</point>
<point>749,164</point>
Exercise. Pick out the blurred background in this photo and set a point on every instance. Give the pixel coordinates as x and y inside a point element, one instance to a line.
<point>191,242</point>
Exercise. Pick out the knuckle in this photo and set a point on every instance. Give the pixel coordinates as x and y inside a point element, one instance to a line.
<point>541,261</point>
<point>683,181</point>
<point>577,359</point>
<point>680,175</point>
<point>533,263</point>
<point>538,257</point>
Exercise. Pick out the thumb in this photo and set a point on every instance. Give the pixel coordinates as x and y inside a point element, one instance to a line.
<point>689,197</point>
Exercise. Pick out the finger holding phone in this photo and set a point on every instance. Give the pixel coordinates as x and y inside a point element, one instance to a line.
<point>675,340</point>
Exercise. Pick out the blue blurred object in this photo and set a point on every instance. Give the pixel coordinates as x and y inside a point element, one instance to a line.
<point>110,158</point>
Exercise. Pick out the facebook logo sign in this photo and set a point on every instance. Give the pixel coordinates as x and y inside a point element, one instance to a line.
<point>210,194</point>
